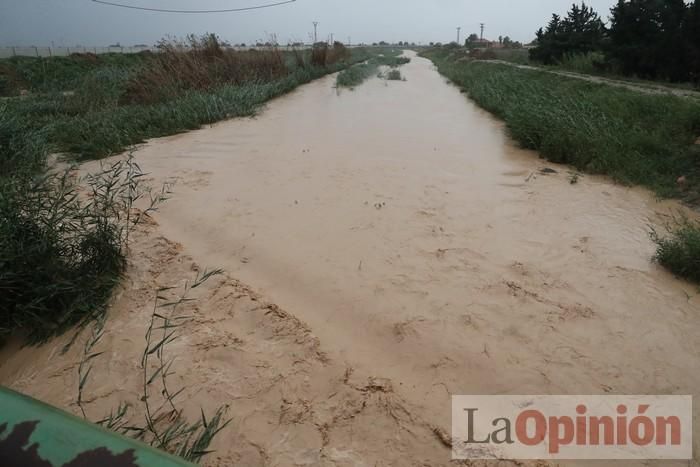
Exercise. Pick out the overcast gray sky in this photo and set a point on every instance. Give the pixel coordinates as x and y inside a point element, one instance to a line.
<point>82,22</point>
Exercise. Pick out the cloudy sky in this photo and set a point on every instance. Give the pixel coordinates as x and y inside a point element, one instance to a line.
<point>83,22</point>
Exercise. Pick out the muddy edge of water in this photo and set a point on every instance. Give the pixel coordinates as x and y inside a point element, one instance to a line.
<point>422,249</point>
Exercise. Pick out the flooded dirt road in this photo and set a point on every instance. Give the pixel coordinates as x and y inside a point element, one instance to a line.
<point>412,252</point>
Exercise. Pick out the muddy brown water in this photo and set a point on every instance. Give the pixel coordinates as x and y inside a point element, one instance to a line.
<point>420,247</point>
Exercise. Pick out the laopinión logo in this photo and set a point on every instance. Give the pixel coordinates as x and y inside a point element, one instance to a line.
<point>572,427</point>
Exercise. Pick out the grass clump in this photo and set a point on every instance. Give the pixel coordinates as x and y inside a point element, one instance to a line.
<point>165,427</point>
<point>62,246</point>
<point>391,61</point>
<point>355,75</point>
<point>634,137</point>
<point>394,75</point>
<point>587,64</point>
<point>200,63</point>
<point>679,251</point>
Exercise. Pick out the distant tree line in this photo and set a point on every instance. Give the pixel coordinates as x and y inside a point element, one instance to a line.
<point>655,39</point>
<point>474,42</point>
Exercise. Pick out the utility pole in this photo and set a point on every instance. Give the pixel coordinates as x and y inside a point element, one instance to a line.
<point>459,30</point>
<point>315,31</point>
<point>482,31</point>
<point>332,39</point>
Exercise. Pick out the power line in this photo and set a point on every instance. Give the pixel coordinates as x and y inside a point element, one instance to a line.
<point>228,10</point>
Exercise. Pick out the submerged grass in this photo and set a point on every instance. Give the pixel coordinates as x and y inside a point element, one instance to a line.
<point>356,75</point>
<point>636,138</point>
<point>394,75</point>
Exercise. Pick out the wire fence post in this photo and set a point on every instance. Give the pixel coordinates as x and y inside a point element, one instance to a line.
<point>36,51</point>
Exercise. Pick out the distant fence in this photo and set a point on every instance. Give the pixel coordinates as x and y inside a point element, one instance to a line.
<point>6,52</point>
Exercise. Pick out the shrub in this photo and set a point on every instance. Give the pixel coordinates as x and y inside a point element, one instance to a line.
<point>394,75</point>
<point>322,55</point>
<point>355,75</point>
<point>62,250</point>
<point>591,63</point>
<point>679,252</point>
<point>200,64</point>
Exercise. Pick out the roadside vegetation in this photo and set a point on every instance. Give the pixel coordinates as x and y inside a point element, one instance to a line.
<point>64,240</point>
<point>636,138</point>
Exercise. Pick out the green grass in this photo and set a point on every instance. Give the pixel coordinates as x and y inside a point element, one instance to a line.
<point>391,61</point>
<point>518,56</point>
<point>679,251</point>
<point>355,75</point>
<point>61,253</point>
<point>59,73</point>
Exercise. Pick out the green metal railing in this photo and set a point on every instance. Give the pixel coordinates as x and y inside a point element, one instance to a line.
<point>34,434</point>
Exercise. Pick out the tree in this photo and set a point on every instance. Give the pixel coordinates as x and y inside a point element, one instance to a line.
<point>472,41</point>
<point>581,32</point>
<point>691,38</point>
<point>653,38</point>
